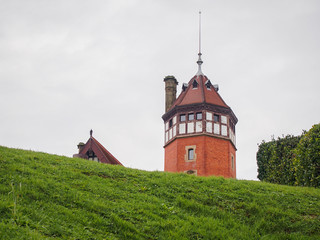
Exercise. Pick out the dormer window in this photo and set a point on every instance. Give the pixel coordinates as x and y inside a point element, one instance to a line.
<point>208,84</point>
<point>195,84</point>
<point>184,86</point>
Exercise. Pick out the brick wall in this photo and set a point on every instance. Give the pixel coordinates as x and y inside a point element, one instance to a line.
<point>213,156</point>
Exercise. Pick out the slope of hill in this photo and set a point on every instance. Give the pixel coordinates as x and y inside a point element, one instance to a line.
<point>46,196</point>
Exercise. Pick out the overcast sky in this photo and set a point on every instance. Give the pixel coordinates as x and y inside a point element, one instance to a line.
<point>69,66</point>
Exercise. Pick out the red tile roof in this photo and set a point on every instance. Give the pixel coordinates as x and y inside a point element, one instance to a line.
<point>201,94</point>
<point>103,154</point>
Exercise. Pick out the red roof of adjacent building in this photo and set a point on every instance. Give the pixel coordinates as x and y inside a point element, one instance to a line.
<point>103,154</point>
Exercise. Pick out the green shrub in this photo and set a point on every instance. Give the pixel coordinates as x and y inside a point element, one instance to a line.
<point>275,160</point>
<point>307,160</point>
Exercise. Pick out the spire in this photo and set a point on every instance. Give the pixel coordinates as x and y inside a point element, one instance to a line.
<point>199,62</point>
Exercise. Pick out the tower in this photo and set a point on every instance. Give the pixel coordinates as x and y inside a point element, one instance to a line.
<point>199,128</point>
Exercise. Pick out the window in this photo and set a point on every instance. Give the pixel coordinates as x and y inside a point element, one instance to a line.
<point>216,118</point>
<point>182,118</point>
<point>231,125</point>
<point>190,116</point>
<point>194,84</point>
<point>190,154</point>
<point>191,172</point>
<point>232,162</point>
<point>199,115</point>
<point>170,123</point>
<point>184,86</point>
<point>208,84</point>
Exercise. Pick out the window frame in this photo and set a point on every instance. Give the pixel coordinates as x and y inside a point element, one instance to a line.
<point>198,114</point>
<point>181,116</point>
<point>189,115</point>
<point>215,117</point>
<point>186,156</point>
<point>190,154</point>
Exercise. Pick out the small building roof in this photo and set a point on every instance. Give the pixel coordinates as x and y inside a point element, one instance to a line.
<point>100,151</point>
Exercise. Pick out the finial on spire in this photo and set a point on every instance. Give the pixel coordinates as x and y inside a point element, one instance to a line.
<point>199,62</point>
<point>91,133</point>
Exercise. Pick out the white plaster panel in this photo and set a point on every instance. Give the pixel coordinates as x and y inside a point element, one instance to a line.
<point>182,128</point>
<point>170,133</point>
<point>209,116</point>
<point>232,136</point>
<point>199,126</point>
<point>190,127</point>
<point>209,127</point>
<point>174,120</point>
<point>223,119</point>
<point>224,130</point>
<point>167,136</point>
<point>216,128</point>
<point>174,133</point>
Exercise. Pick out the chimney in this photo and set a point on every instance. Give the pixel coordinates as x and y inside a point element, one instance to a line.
<point>171,90</point>
<point>80,146</point>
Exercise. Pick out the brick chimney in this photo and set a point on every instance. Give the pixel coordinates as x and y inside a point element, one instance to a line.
<point>171,90</point>
<point>80,146</point>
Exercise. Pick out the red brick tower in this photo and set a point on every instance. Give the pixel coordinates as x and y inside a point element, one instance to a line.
<point>199,129</point>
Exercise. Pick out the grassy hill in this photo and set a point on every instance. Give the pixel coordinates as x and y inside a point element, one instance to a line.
<point>46,196</point>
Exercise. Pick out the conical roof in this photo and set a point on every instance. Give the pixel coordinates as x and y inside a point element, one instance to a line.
<point>199,94</point>
<point>199,90</point>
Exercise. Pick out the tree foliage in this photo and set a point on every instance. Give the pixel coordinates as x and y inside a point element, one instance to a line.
<point>275,160</point>
<point>307,161</point>
<point>291,160</point>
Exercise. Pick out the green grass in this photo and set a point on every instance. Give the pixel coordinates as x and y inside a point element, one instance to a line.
<point>45,196</point>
